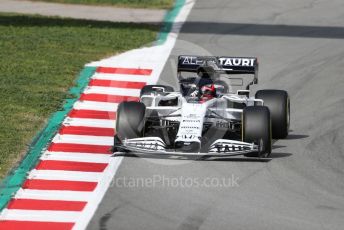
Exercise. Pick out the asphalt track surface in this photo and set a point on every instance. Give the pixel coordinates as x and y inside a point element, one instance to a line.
<point>300,45</point>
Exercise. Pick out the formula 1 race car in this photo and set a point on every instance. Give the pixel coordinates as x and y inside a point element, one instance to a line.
<point>207,117</point>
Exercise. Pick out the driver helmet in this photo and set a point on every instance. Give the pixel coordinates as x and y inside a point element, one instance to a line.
<point>208,92</point>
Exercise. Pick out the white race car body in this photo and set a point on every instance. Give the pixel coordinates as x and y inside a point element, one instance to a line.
<point>193,116</point>
<point>184,123</point>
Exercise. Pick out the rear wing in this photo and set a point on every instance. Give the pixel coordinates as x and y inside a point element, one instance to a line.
<point>229,65</point>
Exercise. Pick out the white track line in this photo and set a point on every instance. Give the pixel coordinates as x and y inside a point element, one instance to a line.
<point>120,77</point>
<point>112,91</point>
<point>98,194</point>
<point>53,195</point>
<point>83,139</point>
<point>41,215</point>
<point>78,157</point>
<point>93,105</point>
<point>65,175</point>
<point>100,123</point>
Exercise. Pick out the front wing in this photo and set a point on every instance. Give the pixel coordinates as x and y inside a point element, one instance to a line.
<point>155,146</point>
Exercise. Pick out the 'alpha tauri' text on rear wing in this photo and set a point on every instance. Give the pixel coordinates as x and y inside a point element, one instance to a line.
<point>229,65</point>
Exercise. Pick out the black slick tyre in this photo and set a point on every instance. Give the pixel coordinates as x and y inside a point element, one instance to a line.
<point>278,103</point>
<point>256,128</point>
<point>130,120</point>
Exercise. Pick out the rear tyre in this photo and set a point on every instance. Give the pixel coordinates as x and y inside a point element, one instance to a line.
<point>148,89</point>
<point>256,127</point>
<point>279,105</point>
<point>130,120</point>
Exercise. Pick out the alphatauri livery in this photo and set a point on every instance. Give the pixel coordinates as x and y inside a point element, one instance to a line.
<point>233,65</point>
<point>206,117</point>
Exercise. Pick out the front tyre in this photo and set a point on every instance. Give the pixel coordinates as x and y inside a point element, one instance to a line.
<point>130,120</point>
<point>256,128</point>
<point>279,105</point>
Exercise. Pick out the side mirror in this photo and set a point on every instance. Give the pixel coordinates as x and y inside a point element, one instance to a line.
<point>244,93</point>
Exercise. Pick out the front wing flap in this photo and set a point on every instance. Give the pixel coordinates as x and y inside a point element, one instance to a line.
<point>156,146</point>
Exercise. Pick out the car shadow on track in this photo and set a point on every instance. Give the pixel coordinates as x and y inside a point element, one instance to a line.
<point>280,155</point>
<point>278,146</point>
<point>296,136</point>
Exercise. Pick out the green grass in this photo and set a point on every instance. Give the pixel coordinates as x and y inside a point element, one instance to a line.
<point>159,4</point>
<point>40,59</point>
